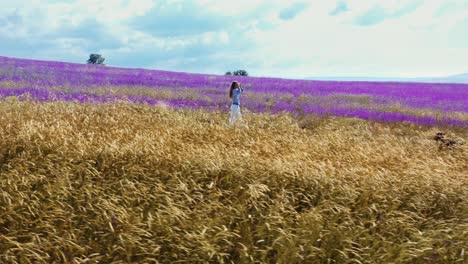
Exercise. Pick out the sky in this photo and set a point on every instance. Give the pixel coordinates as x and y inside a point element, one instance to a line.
<point>278,38</point>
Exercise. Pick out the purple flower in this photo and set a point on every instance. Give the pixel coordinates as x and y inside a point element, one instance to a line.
<point>421,103</point>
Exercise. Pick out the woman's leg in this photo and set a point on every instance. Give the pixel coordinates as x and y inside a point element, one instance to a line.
<point>232,117</point>
<point>235,114</point>
<point>239,115</point>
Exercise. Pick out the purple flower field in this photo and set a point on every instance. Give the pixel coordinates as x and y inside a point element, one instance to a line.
<point>421,103</point>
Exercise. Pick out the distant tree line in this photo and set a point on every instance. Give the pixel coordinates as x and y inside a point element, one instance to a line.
<point>237,73</point>
<point>98,59</point>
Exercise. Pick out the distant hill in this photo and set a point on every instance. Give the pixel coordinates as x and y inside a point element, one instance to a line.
<point>463,78</point>
<point>459,78</point>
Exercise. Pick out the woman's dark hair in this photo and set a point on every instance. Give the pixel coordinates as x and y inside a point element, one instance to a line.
<point>233,86</point>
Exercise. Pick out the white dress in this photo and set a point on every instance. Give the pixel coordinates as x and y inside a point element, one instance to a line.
<point>235,106</point>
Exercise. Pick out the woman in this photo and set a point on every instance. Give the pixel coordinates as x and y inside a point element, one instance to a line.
<point>234,94</point>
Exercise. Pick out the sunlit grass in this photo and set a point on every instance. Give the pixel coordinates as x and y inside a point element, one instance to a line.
<point>136,183</point>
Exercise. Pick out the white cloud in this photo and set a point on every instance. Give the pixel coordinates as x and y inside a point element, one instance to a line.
<point>401,38</point>
<point>229,8</point>
<point>316,44</point>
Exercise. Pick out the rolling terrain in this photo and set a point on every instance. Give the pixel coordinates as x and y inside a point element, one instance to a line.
<point>112,165</point>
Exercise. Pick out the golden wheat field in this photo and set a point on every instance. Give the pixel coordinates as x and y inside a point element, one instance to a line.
<point>128,183</point>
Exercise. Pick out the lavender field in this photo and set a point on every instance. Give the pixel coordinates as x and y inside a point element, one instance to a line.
<point>420,103</point>
<point>123,140</point>
<point>109,165</point>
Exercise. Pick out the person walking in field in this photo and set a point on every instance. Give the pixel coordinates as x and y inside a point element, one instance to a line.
<point>234,94</point>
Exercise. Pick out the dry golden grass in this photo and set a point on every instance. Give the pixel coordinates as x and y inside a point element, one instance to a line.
<point>124,183</point>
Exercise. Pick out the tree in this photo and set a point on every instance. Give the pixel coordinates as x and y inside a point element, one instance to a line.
<point>237,73</point>
<point>96,59</point>
<point>240,73</point>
